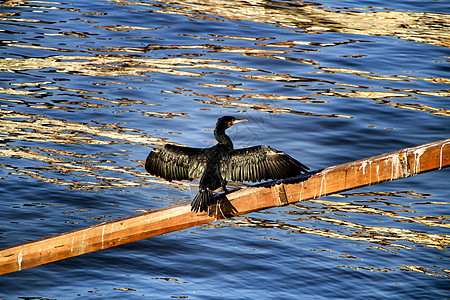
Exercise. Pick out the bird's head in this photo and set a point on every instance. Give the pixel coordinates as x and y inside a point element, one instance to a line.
<point>228,121</point>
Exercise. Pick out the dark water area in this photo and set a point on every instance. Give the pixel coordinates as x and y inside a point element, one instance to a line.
<point>88,88</point>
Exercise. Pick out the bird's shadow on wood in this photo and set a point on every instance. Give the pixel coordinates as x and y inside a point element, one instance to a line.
<point>222,207</point>
<point>295,179</point>
<point>302,177</point>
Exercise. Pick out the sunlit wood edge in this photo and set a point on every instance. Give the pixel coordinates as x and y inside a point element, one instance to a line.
<point>386,167</point>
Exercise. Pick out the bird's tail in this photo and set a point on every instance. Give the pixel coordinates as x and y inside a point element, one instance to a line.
<point>202,200</point>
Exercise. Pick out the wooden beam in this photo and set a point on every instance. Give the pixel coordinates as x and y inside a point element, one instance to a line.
<point>373,170</point>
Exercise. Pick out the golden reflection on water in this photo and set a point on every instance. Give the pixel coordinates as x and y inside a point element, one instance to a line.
<point>38,128</point>
<point>315,18</point>
<point>89,170</point>
<point>116,65</point>
<point>329,222</point>
<point>421,27</point>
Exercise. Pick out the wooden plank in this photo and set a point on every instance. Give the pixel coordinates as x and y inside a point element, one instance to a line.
<point>373,170</point>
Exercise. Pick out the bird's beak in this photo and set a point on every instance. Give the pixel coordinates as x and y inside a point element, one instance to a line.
<point>239,120</point>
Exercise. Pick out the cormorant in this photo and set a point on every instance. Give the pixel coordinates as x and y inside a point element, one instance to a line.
<point>217,164</point>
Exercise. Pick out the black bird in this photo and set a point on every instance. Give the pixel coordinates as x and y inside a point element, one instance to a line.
<point>217,164</point>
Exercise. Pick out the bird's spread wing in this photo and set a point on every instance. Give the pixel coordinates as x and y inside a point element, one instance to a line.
<point>176,163</point>
<point>260,163</point>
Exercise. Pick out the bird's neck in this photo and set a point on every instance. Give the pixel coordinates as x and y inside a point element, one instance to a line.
<point>222,137</point>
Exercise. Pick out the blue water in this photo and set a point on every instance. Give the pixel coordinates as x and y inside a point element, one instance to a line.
<point>88,88</point>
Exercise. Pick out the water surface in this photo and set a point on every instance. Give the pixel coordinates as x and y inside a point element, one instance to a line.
<point>88,88</point>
